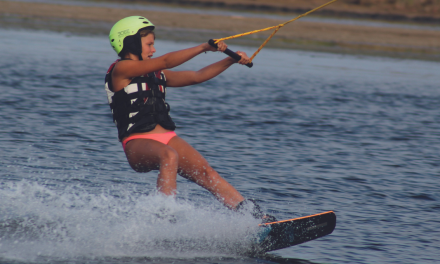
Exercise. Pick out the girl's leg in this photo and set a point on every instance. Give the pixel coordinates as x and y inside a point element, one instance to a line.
<point>145,155</point>
<point>193,166</point>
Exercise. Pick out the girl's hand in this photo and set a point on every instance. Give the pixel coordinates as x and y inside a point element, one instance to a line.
<point>244,58</point>
<point>221,46</point>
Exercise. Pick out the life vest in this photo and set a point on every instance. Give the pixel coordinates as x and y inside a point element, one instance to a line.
<point>141,105</point>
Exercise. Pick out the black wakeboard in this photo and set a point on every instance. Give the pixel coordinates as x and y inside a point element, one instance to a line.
<point>287,233</point>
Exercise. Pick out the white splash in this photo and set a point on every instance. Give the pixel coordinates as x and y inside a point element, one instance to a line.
<point>37,221</point>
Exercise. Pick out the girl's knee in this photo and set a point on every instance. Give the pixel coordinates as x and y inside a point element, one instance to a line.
<point>141,166</point>
<point>169,156</point>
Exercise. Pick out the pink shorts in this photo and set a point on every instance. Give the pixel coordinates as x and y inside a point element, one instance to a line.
<point>163,138</point>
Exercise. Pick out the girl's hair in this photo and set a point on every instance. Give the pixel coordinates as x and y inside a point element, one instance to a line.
<point>146,31</point>
<point>132,44</point>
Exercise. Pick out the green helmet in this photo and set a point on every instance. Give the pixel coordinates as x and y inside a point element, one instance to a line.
<point>125,27</point>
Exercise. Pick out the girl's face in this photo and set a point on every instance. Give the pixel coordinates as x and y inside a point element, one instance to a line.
<point>148,46</point>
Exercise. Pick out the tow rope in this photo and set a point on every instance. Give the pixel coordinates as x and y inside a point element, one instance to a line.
<point>213,42</point>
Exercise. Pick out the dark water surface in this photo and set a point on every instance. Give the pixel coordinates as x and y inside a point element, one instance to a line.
<point>301,132</point>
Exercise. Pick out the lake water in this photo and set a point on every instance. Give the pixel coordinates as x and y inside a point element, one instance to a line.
<point>301,132</point>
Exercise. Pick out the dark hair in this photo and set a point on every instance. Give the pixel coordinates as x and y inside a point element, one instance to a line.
<point>146,31</point>
<point>133,44</point>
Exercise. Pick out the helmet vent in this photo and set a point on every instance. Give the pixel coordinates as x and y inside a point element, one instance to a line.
<point>113,40</point>
<point>145,22</point>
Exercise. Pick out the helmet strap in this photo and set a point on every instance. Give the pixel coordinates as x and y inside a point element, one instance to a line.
<point>139,41</point>
<point>133,44</point>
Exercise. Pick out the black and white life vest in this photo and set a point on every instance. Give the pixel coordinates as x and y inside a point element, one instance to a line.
<point>141,105</point>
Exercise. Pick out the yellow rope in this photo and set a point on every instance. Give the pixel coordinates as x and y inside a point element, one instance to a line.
<point>277,27</point>
<point>265,42</point>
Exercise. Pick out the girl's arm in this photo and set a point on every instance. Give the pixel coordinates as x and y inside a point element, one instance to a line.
<point>185,78</point>
<point>127,69</point>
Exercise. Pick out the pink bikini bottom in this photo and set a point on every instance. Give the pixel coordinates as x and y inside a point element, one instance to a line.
<point>162,137</point>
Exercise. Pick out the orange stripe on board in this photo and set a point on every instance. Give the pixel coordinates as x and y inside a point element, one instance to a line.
<point>303,217</point>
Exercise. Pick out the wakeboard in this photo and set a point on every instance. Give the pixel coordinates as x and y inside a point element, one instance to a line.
<point>287,233</point>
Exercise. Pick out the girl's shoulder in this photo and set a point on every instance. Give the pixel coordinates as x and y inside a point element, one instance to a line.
<point>112,66</point>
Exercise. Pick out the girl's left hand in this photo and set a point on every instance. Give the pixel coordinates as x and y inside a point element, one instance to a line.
<point>244,58</point>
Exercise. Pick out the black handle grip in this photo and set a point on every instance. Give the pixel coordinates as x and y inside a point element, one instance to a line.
<point>230,53</point>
